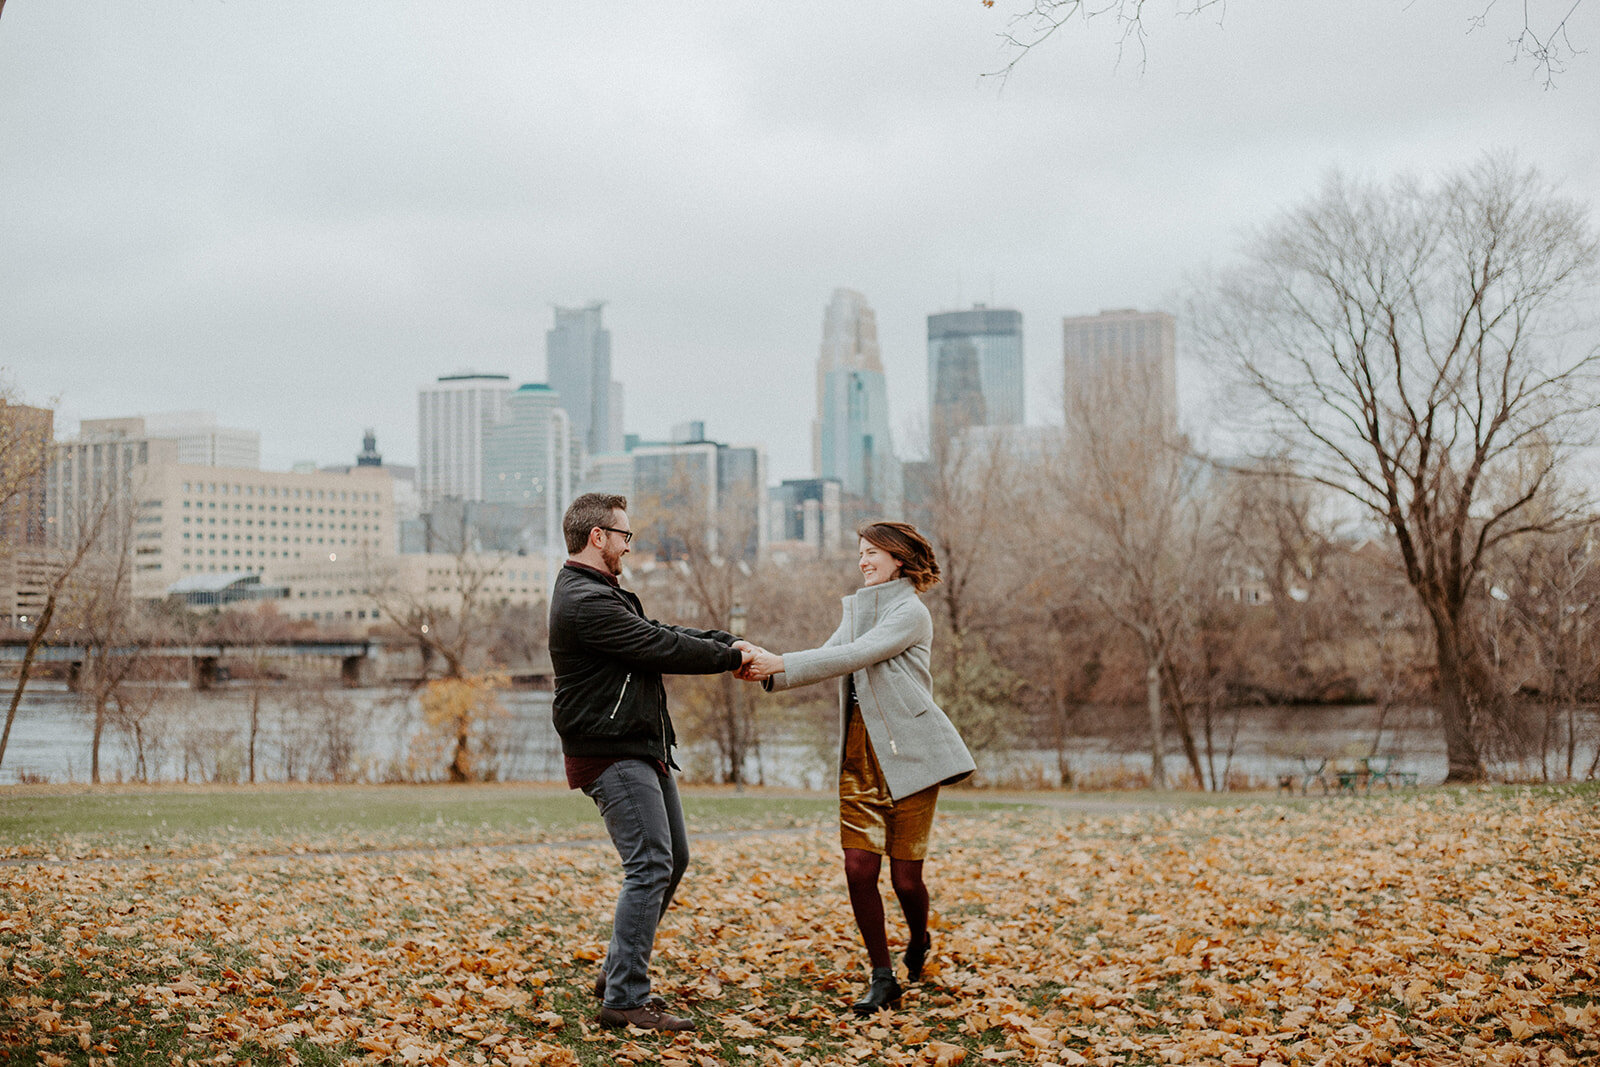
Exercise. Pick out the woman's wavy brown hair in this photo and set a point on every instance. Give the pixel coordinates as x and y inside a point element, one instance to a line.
<point>901,540</point>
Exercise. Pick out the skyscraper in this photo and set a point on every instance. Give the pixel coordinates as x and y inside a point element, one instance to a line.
<point>578,362</point>
<point>975,368</point>
<point>452,415</point>
<point>695,495</point>
<point>851,438</point>
<point>1127,357</point>
<point>530,459</point>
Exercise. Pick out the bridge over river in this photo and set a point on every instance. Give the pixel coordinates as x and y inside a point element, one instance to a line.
<point>360,663</point>
<point>207,662</point>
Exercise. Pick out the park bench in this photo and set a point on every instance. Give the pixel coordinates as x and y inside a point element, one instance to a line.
<point>1355,774</point>
<point>1351,775</point>
<point>1381,770</point>
<point>1311,770</point>
<point>1362,773</point>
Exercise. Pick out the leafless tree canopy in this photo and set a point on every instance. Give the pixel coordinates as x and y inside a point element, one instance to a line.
<point>1538,32</point>
<point>1420,349</point>
<point>700,546</point>
<point>1136,528</point>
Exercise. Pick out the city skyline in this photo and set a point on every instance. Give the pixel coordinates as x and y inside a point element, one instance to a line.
<point>485,391</point>
<point>188,228</point>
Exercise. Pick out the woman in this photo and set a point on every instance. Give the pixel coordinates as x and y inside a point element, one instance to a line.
<point>897,748</point>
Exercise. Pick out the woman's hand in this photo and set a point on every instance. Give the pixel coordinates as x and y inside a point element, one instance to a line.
<point>761,666</point>
<point>764,665</point>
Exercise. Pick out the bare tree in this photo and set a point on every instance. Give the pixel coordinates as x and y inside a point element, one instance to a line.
<point>249,631</point>
<point>1539,33</point>
<point>1205,664</point>
<point>86,587</point>
<point>449,614</point>
<point>1550,588</point>
<point>973,502</point>
<point>1273,527</point>
<point>704,550</point>
<point>24,452</point>
<point>1067,633</point>
<point>99,614</point>
<point>1135,529</point>
<point>1376,630</point>
<point>976,498</point>
<point>1408,340</point>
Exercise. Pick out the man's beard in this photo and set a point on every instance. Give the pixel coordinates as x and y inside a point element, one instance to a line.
<point>612,560</point>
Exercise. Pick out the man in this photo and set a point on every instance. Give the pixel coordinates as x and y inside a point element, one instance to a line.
<point>611,712</point>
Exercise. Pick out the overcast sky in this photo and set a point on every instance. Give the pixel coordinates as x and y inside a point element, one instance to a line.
<point>294,214</point>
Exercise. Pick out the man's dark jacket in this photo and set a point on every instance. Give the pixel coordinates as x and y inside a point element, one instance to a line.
<point>608,661</point>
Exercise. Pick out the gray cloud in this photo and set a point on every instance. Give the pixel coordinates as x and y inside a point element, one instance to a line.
<point>297,214</point>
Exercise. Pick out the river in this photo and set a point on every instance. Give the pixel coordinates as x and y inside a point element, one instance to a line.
<point>178,735</point>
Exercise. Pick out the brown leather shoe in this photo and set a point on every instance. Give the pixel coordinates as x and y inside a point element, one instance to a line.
<point>646,1017</point>
<point>600,980</point>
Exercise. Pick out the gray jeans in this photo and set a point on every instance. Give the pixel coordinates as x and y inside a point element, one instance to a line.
<point>644,817</point>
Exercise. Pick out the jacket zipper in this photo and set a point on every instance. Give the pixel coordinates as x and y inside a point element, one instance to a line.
<point>621,693</point>
<point>893,748</point>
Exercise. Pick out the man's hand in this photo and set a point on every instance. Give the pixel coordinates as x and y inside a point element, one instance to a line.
<point>750,653</point>
<point>761,666</point>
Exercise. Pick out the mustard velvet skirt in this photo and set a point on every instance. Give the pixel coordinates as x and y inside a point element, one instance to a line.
<point>871,820</point>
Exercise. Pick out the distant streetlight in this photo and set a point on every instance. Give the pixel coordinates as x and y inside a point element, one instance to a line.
<point>737,617</point>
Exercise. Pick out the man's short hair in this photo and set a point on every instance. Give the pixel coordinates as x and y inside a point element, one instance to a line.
<point>587,512</point>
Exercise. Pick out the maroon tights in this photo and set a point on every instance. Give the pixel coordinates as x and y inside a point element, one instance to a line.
<point>861,870</point>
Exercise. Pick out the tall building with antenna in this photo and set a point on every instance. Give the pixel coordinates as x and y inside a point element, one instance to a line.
<point>851,440</point>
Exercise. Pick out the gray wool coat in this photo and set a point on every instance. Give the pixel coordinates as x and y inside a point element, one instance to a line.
<point>884,641</point>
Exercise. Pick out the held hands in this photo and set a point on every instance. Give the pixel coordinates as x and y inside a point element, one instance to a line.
<point>760,665</point>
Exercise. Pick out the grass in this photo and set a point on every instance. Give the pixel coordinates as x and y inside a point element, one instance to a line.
<point>243,820</point>
<point>1436,927</point>
<point>183,821</point>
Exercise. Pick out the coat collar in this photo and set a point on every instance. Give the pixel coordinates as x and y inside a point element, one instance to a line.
<point>584,568</point>
<point>882,595</point>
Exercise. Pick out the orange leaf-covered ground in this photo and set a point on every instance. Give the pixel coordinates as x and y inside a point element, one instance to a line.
<point>1432,927</point>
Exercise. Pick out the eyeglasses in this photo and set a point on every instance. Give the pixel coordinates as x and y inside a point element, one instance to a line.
<point>627,535</point>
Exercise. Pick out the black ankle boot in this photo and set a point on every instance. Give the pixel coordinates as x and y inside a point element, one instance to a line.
<point>917,955</point>
<point>885,990</point>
